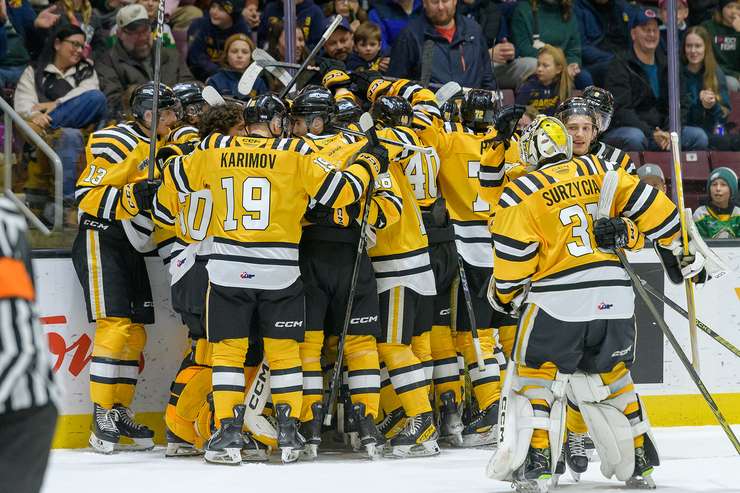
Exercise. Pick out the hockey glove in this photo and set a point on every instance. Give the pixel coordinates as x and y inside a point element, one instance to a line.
<point>138,196</point>
<point>336,79</point>
<point>374,158</point>
<point>506,122</point>
<point>616,232</point>
<point>369,84</point>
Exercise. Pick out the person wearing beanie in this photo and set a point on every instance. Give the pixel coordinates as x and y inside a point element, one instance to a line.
<point>236,58</point>
<point>724,29</point>
<point>720,218</point>
<point>207,36</point>
<point>651,174</point>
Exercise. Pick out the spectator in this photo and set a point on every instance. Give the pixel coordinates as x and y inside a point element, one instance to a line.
<point>207,36</point>
<point>151,6</point>
<point>724,29</point>
<point>81,14</point>
<point>339,46</point>
<point>392,17</point>
<point>184,13</point>
<point>21,31</point>
<point>638,83</point>
<point>707,86</point>
<point>682,13</point>
<point>651,174</point>
<point>367,54</point>
<point>309,18</point>
<point>528,117</point>
<point>459,49</point>
<point>131,61</point>
<point>554,25</point>
<point>348,9</point>
<point>720,218</point>
<point>61,91</point>
<point>251,15</point>
<point>237,57</point>
<point>276,48</point>
<point>550,85</point>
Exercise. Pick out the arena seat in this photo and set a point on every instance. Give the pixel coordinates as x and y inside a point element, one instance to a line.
<point>662,159</point>
<point>636,157</point>
<point>725,158</point>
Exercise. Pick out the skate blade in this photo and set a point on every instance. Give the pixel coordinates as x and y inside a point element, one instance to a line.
<point>554,480</point>
<point>260,455</point>
<point>101,446</point>
<point>137,445</point>
<point>485,439</point>
<point>289,454</point>
<point>540,485</point>
<point>641,483</point>
<point>591,454</point>
<point>575,475</point>
<point>426,449</point>
<point>355,442</point>
<point>453,440</point>
<point>181,450</point>
<point>374,451</point>
<point>229,456</point>
<point>309,452</point>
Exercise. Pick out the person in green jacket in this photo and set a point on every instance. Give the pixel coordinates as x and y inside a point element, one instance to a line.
<point>724,28</point>
<point>557,26</point>
<point>720,218</point>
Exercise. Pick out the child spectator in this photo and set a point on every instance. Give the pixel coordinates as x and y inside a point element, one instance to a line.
<point>237,57</point>
<point>367,54</point>
<point>720,218</point>
<point>682,13</point>
<point>207,36</point>
<point>724,29</point>
<point>151,7</point>
<point>349,9</point>
<point>651,174</point>
<point>549,85</point>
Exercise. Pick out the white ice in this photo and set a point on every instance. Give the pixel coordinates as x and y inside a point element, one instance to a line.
<point>694,459</point>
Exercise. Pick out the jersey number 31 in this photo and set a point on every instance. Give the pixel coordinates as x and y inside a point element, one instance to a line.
<point>575,215</point>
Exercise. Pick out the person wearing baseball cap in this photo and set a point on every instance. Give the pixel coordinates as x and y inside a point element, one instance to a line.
<point>720,218</point>
<point>640,88</point>
<point>651,174</point>
<point>724,29</point>
<point>209,35</point>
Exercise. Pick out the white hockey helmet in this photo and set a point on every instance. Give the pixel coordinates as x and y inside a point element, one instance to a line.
<point>545,141</point>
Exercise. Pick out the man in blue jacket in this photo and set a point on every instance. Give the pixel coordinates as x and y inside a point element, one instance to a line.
<point>459,49</point>
<point>309,18</point>
<point>392,16</point>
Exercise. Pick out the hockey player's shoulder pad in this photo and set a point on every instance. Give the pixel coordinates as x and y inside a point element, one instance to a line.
<point>215,140</point>
<point>453,127</point>
<point>114,143</point>
<point>523,186</point>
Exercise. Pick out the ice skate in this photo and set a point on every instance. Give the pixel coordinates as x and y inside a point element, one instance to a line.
<point>641,478</point>
<point>291,442</point>
<point>450,422</point>
<point>311,431</point>
<point>534,475</point>
<point>105,434</point>
<point>224,446</point>
<point>254,450</point>
<point>141,435</point>
<point>369,436</point>
<point>417,439</point>
<point>559,470</point>
<point>392,423</point>
<point>588,445</point>
<point>483,428</point>
<point>575,454</point>
<point>177,447</point>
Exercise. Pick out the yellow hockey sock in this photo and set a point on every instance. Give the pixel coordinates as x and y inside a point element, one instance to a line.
<point>487,384</point>
<point>125,388</point>
<point>286,375</point>
<point>446,368</point>
<point>506,335</point>
<point>541,407</point>
<point>313,381</point>
<point>407,377</point>
<point>363,363</point>
<point>108,367</point>
<point>421,346</point>
<point>228,376</point>
<point>574,419</point>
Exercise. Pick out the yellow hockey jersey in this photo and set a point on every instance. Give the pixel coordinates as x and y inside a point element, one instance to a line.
<point>613,158</point>
<point>543,238</point>
<point>182,134</point>
<point>260,188</point>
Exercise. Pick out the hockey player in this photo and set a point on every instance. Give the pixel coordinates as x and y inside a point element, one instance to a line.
<point>603,103</point>
<point>260,186</point>
<point>549,269</point>
<point>192,104</point>
<point>327,252</point>
<point>114,199</point>
<point>403,270</point>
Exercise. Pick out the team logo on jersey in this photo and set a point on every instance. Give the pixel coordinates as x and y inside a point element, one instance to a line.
<point>324,164</point>
<point>246,275</point>
<point>604,306</point>
<point>181,261</point>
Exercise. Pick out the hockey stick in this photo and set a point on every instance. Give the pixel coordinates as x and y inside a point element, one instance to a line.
<point>329,31</point>
<point>471,314</point>
<point>411,147</point>
<point>263,59</point>
<point>427,59</point>
<point>154,123</point>
<point>212,97</point>
<point>368,126</point>
<point>608,188</point>
<point>676,307</point>
<point>248,78</point>
<point>690,301</point>
<point>446,92</point>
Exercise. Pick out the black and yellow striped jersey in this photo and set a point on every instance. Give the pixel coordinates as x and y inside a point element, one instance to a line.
<point>543,237</point>
<point>260,188</point>
<point>613,158</point>
<point>183,134</point>
<point>400,256</point>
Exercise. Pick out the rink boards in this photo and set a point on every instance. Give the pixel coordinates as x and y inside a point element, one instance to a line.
<point>668,392</point>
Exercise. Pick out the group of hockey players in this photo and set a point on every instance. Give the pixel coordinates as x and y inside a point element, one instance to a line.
<point>257,212</point>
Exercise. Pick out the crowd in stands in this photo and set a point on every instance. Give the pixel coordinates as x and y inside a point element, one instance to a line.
<point>69,64</point>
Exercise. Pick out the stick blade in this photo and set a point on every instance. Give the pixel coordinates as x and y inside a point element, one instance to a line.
<point>608,188</point>
<point>446,92</point>
<point>366,122</point>
<point>212,97</point>
<point>248,78</point>
<point>260,54</point>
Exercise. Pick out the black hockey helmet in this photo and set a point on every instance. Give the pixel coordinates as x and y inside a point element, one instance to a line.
<point>479,108</point>
<point>264,108</point>
<point>451,110</point>
<point>576,105</point>
<point>603,102</point>
<point>189,93</point>
<point>347,111</point>
<point>392,111</point>
<point>314,100</point>
<point>142,100</point>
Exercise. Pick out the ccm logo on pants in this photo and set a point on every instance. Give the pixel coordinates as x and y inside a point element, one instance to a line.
<point>364,320</point>
<point>288,324</point>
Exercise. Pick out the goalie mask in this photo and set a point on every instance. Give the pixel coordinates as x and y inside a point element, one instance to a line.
<point>545,141</point>
<point>603,103</point>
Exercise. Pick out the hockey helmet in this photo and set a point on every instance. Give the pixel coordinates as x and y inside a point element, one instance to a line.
<point>264,108</point>
<point>142,100</point>
<point>603,102</point>
<point>314,100</point>
<point>451,110</point>
<point>347,111</point>
<point>479,108</point>
<point>576,105</point>
<point>392,111</point>
<point>545,141</point>
<point>189,93</point>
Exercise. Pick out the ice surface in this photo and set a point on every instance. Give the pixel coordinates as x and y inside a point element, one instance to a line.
<point>695,459</point>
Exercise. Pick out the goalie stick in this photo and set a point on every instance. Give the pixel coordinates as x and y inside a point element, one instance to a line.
<point>154,123</point>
